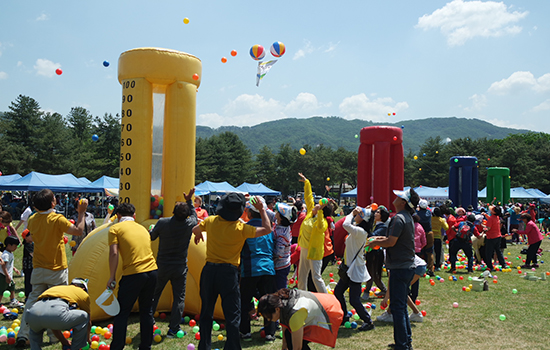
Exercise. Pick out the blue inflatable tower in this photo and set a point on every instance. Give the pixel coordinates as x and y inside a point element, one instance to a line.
<point>463,181</point>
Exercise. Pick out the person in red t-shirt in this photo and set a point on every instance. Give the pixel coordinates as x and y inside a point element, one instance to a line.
<point>493,238</point>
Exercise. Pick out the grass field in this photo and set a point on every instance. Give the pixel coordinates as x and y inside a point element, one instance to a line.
<point>475,324</point>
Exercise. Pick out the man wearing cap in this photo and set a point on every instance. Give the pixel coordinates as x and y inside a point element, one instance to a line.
<point>174,234</point>
<point>61,308</point>
<point>226,236</point>
<point>400,255</point>
<point>257,272</point>
<point>132,242</point>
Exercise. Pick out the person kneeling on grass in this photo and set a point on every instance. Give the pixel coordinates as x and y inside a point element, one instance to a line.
<point>305,316</point>
<point>58,308</point>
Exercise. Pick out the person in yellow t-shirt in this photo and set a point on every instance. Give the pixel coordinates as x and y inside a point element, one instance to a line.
<point>61,308</point>
<point>49,260</point>
<point>226,235</point>
<point>131,241</point>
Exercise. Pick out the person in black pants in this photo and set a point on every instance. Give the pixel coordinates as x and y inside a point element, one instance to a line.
<point>139,275</point>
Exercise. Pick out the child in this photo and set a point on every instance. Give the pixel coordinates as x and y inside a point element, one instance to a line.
<point>28,252</point>
<point>7,282</point>
<point>285,215</point>
<point>6,228</point>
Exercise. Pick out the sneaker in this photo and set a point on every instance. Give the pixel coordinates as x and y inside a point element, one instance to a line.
<point>535,265</point>
<point>21,342</point>
<point>385,317</point>
<point>365,296</point>
<point>413,317</point>
<point>366,327</point>
<point>430,273</point>
<point>246,337</point>
<point>269,338</point>
<point>525,266</point>
<point>173,334</point>
<point>15,303</point>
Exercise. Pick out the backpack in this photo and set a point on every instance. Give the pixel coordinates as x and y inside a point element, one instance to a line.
<point>465,231</point>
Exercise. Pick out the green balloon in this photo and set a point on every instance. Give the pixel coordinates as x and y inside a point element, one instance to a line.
<point>281,334</point>
<point>21,294</point>
<point>196,329</point>
<point>515,291</point>
<point>216,327</point>
<point>502,317</point>
<point>180,334</point>
<point>347,324</point>
<point>7,294</point>
<point>86,347</point>
<point>356,317</point>
<point>186,319</point>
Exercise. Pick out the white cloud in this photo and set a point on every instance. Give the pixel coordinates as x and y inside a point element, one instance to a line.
<point>331,47</point>
<point>304,105</point>
<point>461,20</point>
<point>361,107</point>
<point>519,81</point>
<point>19,63</point>
<point>249,110</point>
<point>545,106</point>
<point>3,75</point>
<point>46,67</point>
<point>508,124</point>
<point>306,50</point>
<point>478,102</point>
<point>43,17</point>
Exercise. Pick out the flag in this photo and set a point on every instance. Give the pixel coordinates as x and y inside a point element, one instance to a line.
<point>263,68</point>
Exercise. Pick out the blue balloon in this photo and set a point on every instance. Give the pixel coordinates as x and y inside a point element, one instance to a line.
<point>373,306</point>
<point>106,63</point>
<point>424,154</point>
<point>354,325</point>
<point>402,126</point>
<point>95,137</point>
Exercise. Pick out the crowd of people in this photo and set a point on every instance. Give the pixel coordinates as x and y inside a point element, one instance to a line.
<point>255,249</point>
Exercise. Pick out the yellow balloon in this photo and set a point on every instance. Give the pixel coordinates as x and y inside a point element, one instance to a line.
<point>436,152</point>
<point>158,338</point>
<point>186,20</point>
<point>72,243</point>
<point>94,345</point>
<point>415,157</point>
<point>328,178</point>
<point>420,169</point>
<point>220,337</point>
<point>302,151</point>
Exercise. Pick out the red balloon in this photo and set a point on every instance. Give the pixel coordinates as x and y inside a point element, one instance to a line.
<point>95,338</point>
<point>198,335</point>
<point>417,302</point>
<point>65,239</point>
<point>423,313</point>
<point>192,323</point>
<point>224,59</point>
<point>195,76</point>
<point>395,138</point>
<point>58,71</point>
<point>233,53</point>
<point>11,341</point>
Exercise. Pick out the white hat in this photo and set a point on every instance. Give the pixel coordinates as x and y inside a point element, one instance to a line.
<point>423,204</point>
<point>406,195</point>
<point>285,210</point>
<point>81,281</point>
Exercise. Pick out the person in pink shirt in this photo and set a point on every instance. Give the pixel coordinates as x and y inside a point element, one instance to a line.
<point>419,235</point>
<point>493,238</point>
<point>534,238</point>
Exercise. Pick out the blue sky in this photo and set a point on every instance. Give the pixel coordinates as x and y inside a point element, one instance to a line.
<point>353,59</point>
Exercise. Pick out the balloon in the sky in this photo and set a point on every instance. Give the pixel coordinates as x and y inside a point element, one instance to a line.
<point>186,20</point>
<point>106,63</point>
<point>95,137</point>
<point>233,53</point>
<point>224,59</point>
<point>302,151</point>
<point>257,52</point>
<point>278,49</point>
<point>58,71</point>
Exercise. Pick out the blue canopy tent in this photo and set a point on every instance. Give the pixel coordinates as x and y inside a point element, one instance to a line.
<point>257,189</point>
<point>106,182</point>
<point>432,193</point>
<point>352,193</point>
<point>520,193</point>
<point>209,187</point>
<point>4,179</point>
<point>536,193</point>
<point>35,181</point>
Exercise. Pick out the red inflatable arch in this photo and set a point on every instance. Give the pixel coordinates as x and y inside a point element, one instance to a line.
<point>379,165</point>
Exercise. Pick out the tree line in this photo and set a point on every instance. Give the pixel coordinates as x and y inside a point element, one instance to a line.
<point>33,140</point>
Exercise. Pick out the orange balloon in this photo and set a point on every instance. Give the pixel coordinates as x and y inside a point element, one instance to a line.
<point>224,59</point>
<point>195,76</point>
<point>233,53</point>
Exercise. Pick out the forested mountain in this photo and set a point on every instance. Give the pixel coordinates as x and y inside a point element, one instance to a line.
<point>335,132</point>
